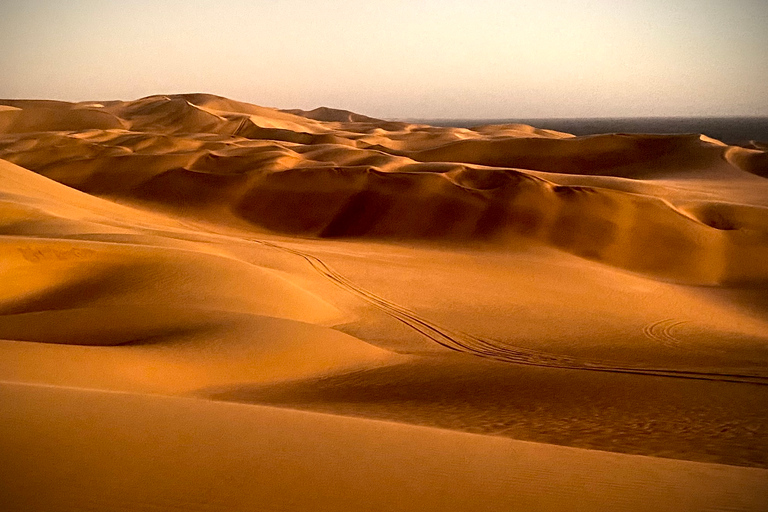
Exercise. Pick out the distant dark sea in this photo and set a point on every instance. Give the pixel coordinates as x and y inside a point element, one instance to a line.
<point>731,130</point>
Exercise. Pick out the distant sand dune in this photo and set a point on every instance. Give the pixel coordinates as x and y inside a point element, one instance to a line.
<point>342,179</point>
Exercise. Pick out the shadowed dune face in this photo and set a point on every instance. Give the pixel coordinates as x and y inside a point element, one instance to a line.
<point>684,208</point>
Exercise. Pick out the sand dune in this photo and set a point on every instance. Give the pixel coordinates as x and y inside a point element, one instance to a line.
<point>333,115</point>
<point>271,459</point>
<point>300,176</point>
<point>499,286</point>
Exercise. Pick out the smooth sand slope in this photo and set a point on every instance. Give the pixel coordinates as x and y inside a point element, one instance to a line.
<point>406,287</point>
<point>166,453</point>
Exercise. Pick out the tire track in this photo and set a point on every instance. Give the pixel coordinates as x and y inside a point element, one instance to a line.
<point>492,349</point>
<point>663,331</point>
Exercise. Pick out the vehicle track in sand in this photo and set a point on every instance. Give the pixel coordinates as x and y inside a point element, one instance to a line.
<point>663,331</point>
<point>492,349</point>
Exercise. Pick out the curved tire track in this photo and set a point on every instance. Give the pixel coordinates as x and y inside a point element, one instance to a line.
<point>491,349</point>
<point>663,331</point>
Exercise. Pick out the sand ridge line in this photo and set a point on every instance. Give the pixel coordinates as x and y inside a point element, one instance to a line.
<point>43,385</point>
<point>490,349</point>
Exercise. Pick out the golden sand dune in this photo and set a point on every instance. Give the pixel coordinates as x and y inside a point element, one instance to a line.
<point>222,160</point>
<point>161,256</point>
<point>156,453</point>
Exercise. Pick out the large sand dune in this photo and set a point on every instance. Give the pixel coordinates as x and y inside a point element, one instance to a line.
<point>161,256</point>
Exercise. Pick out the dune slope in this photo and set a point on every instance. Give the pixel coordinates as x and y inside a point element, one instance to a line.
<point>270,459</point>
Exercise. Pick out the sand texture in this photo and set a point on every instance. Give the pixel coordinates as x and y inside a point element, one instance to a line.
<point>211,305</point>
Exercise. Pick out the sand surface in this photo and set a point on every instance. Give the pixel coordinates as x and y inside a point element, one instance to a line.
<point>207,304</point>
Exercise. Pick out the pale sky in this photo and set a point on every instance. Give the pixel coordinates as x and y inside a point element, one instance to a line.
<point>399,58</point>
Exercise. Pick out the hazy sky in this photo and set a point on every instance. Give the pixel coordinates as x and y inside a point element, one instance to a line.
<point>417,58</point>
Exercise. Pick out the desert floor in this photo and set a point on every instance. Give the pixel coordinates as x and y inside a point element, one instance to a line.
<point>210,305</point>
